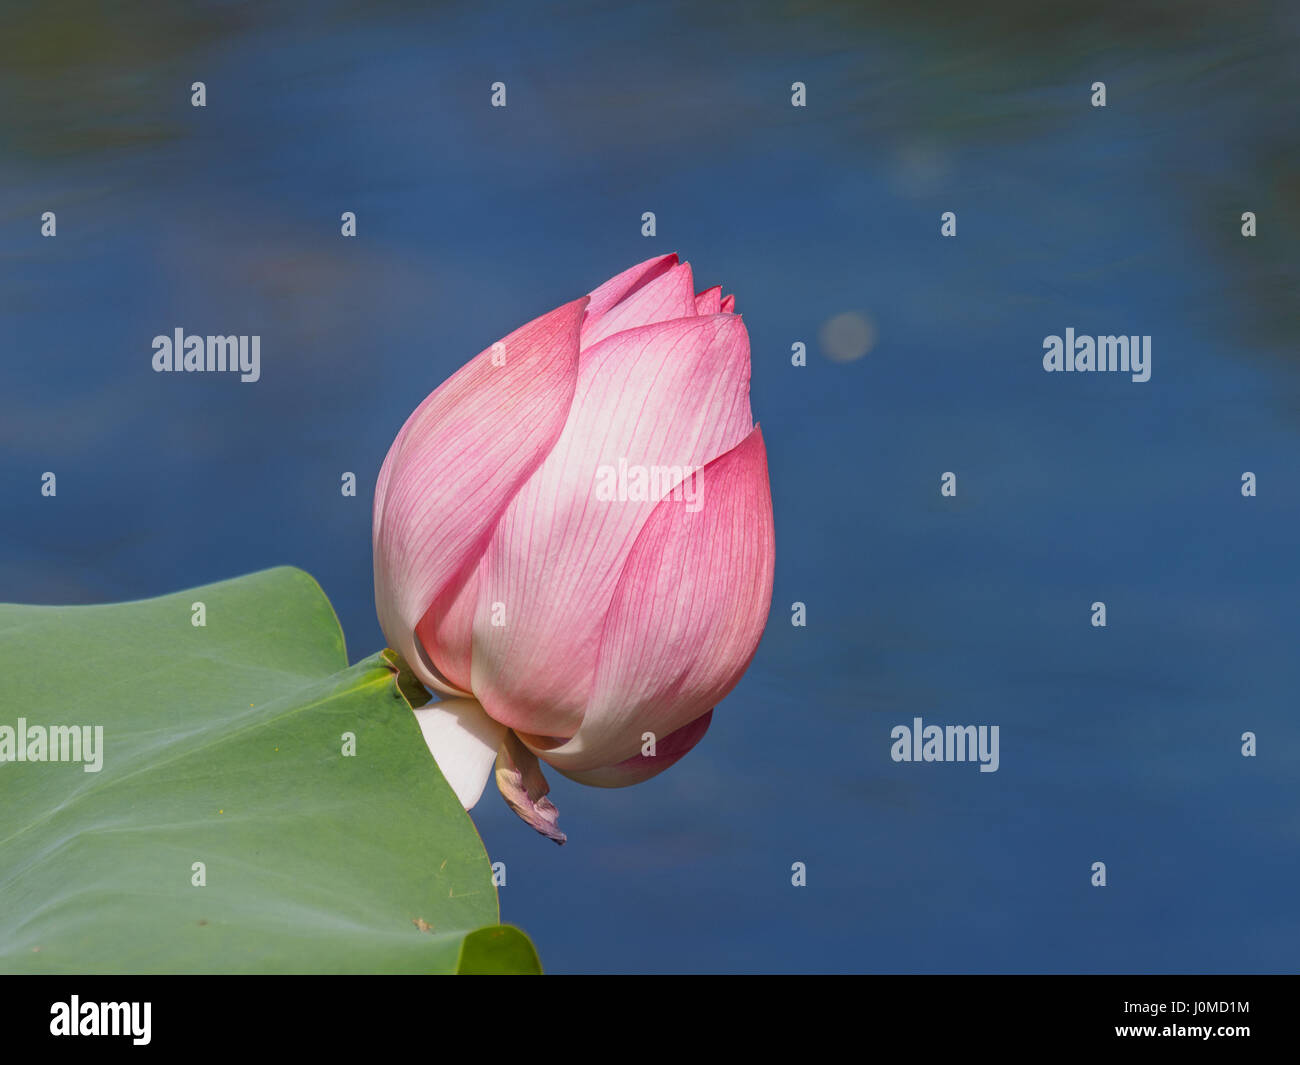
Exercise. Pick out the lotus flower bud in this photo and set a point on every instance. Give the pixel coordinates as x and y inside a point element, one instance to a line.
<point>573,540</point>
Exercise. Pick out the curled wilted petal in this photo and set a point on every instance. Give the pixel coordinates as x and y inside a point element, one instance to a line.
<point>521,782</point>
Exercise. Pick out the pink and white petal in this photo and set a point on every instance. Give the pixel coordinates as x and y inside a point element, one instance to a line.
<point>728,304</point>
<point>619,287</point>
<point>668,751</point>
<point>464,742</point>
<point>687,615</point>
<point>670,395</point>
<point>457,463</point>
<point>446,632</point>
<point>670,295</point>
<point>709,301</point>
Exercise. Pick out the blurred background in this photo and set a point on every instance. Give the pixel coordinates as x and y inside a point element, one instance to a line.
<point>1119,745</point>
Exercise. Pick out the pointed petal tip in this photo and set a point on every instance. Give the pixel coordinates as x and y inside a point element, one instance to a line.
<point>709,301</point>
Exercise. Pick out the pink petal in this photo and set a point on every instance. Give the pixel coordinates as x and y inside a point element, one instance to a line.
<point>675,394</point>
<point>687,615</point>
<point>618,288</point>
<point>668,751</point>
<point>453,469</point>
<point>670,295</point>
<point>728,305</point>
<point>709,301</point>
<point>446,633</point>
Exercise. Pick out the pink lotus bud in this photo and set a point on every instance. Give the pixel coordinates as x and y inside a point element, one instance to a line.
<point>573,540</point>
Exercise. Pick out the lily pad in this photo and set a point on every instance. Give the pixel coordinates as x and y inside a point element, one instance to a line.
<point>260,806</point>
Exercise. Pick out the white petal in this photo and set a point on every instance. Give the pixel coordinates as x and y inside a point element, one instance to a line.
<point>464,742</point>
